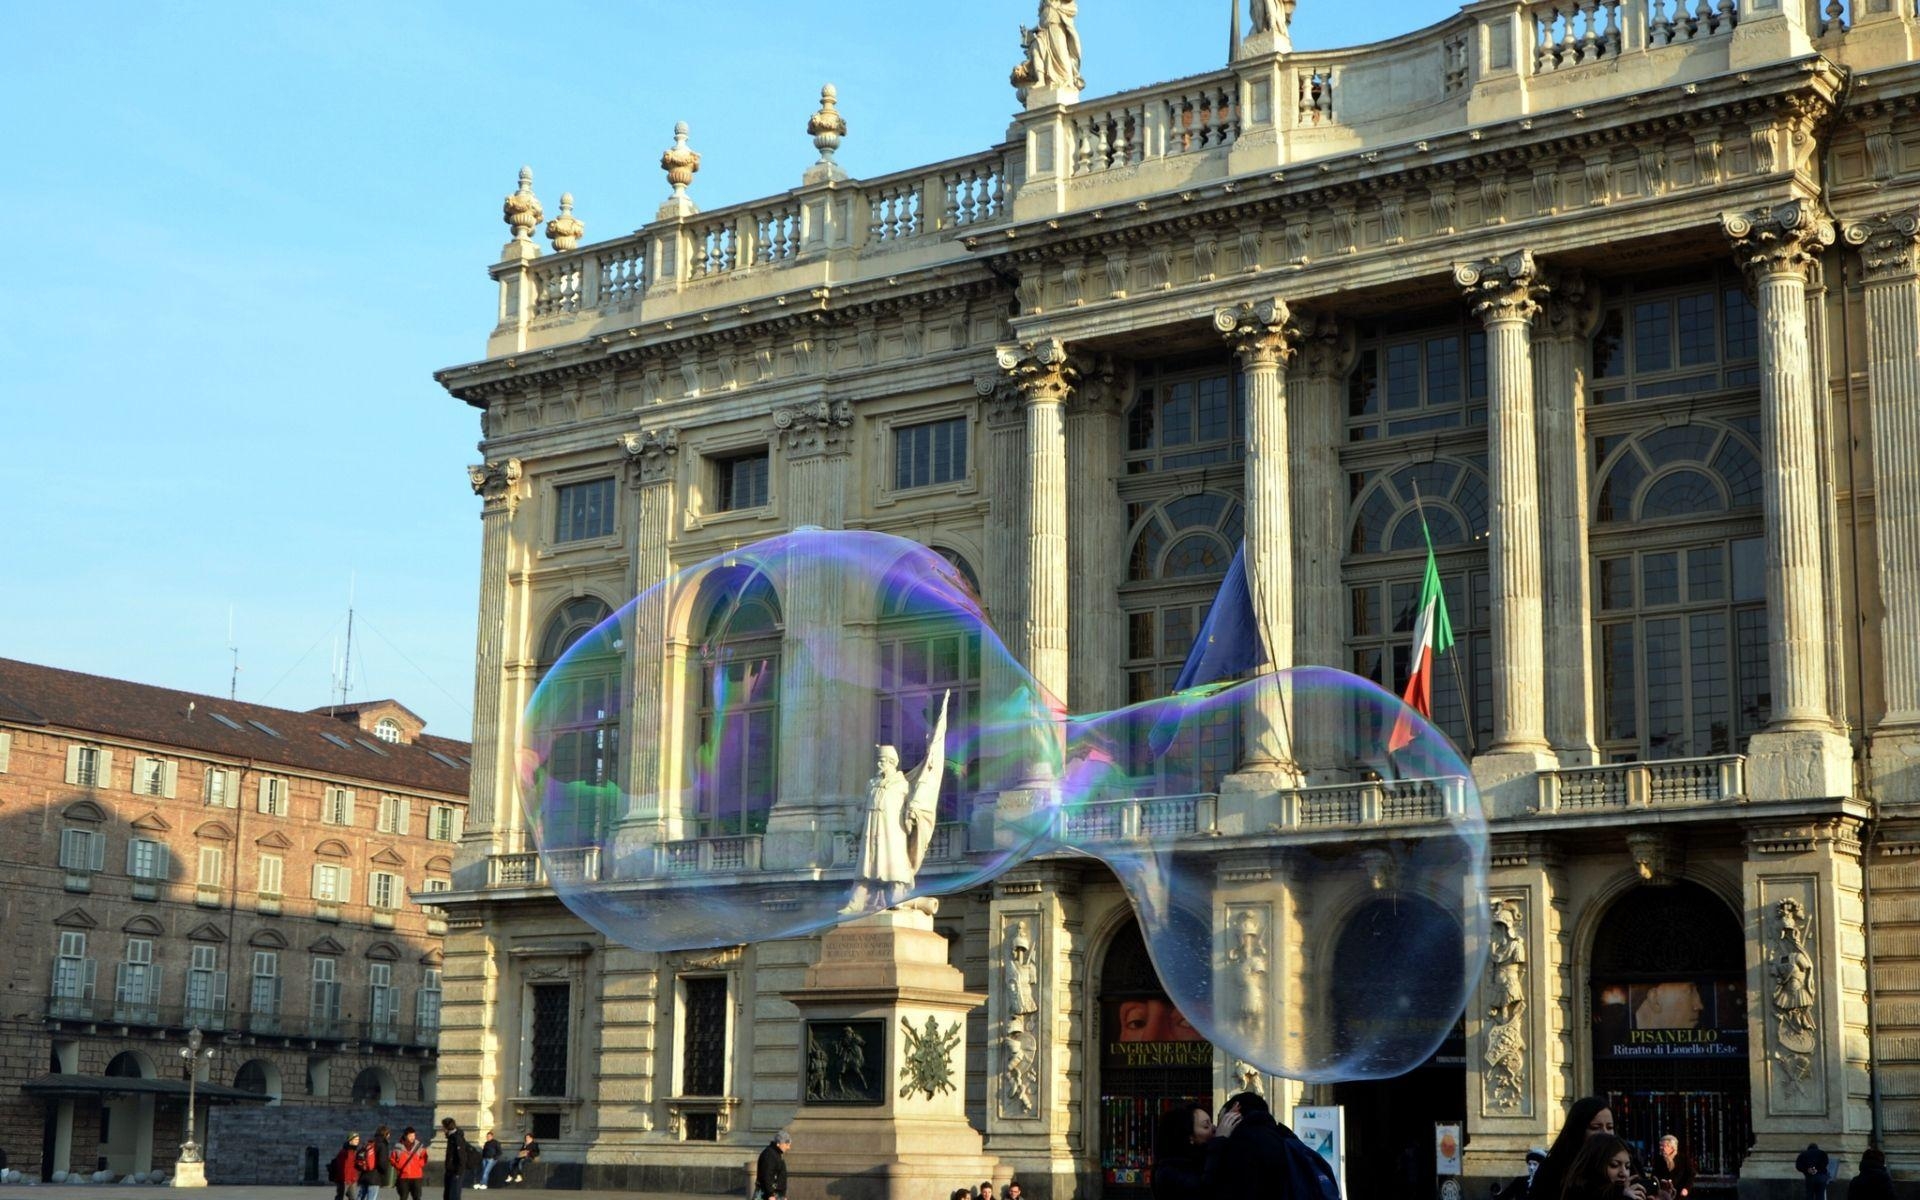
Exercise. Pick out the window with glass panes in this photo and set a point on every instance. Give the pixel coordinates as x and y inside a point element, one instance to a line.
<point>1386,562</point>
<point>137,983</point>
<point>380,995</point>
<point>1675,338</point>
<point>930,453</point>
<point>740,482</point>
<point>1679,591</point>
<point>326,991</point>
<point>582,708</point>
<point>581,511</point>
<point>703,1044</point>
<point>264,996</point>
<point>383,889</point>
<point>426,1012</point>
<point>1185,413</point>
<point>1416,380</point>
<point>206,982</point>
<point>1180,551</point>
<point>737,764</point>
<point>70,967</point>
<point>927,651</point>
<point>552,1013</point>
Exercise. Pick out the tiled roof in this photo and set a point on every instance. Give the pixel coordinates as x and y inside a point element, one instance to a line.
<point>37,695</point>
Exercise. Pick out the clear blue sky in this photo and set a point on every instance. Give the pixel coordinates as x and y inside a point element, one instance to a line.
<point>243,237</point>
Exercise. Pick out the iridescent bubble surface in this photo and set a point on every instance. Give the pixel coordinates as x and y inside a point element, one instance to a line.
<point>1312,899</point>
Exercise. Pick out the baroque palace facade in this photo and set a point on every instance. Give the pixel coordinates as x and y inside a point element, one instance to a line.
<point>1622,296</point>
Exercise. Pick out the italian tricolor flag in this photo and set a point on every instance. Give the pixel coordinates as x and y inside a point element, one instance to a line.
<point>1432,637</point>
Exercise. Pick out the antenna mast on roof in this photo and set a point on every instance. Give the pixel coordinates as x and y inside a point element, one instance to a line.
<point>345,680</point>
<point>233,647</point>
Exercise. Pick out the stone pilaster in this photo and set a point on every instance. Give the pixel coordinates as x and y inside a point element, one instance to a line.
<point>1800,754</point>
<point>1004,480</point>
<point>1045,377</point>
<point>651,455</point>
<point>1316,428</point>
<point>817,658</point>
<point>1560,362</point>
<point>1263,336</point>
<point>498,486</point>
<point>1806,1005</point>
<point>1032,1082</point>
<point>1505,293</point>
<point>1096,640</point>
<point>1890,270</point>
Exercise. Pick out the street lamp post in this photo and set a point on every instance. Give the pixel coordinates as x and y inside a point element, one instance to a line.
<point>191,1170</point>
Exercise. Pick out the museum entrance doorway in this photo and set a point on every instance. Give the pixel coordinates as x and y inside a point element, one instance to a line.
<point>1390,1122</point>
<point>1669,1003</point>
<point>1150,1060</point>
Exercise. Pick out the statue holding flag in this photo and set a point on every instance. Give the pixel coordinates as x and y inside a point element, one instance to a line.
<point>898,824</point>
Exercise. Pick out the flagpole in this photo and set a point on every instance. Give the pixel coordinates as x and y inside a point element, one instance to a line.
<point>1453,660</point>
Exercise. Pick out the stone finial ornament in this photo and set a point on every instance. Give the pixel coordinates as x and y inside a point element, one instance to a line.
<point>522,210</point>
<point>680,162</point>
<point>565,230</point>
<point>827,126</point>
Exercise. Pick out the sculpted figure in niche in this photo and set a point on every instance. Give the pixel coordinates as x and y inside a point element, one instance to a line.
<point>898,825</point>
<point>1023,979</point>
<point>1506,1049</point>
<point>1249,958</point>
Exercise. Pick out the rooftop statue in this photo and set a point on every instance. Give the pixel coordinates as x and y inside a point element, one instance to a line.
<point>899,821</point>
<point>1053,50</point>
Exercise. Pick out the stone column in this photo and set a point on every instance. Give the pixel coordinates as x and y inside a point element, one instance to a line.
<point>1263,336</point>
<point>1890,267</point>
<point>497,485</point>
<point>1033,1080</point>
<point>1096,566</point>
<point>816,658</point>
<point>1802,884</point>
<point>1800,754</point>
<point>1004,481</point>
<point>1561,340</point>
<point>651,455</point>
<point>1316,428</point>
<point>1505,293</point>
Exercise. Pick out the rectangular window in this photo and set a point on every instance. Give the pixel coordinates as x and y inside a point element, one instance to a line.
<point>583,510</point>
<point>272,869</point>
<point>219,788</point>
<point>924,455</point>
<point>382,888</point>
<point>86,766</point>
<point>742,482</point>
<point>264,998</point>
<point>552,1012</point>
<point>213,864</point>
<point>426,1010</point>
<point>150,777</point>
<point>6,750</point>
<point>380,1003</point>
<point>206,986</point>
<point>273,797</point>
<point>336,808</point>
<point>440,823</point>
<point>326,883</point>
<point>82,850</point>
<point>1418,382</point>
<point>73,970</point>
<point>326,992</point>
<point>146,859</point>
<point>389,815</point>
<point>137,983</point>
<point>703,1044</point>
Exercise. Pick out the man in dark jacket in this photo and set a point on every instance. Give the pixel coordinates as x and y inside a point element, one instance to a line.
<point>1873,1182</point>
<point>1257,1157</point>
<point>770,1176</point>
<point>1816,1169</point>
<point>454,1159</point>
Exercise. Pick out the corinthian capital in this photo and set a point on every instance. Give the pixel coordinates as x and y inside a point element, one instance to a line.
<point>1889,245</point>
<point>1327,346</point>
<point>1781,239</point>
<point>1261,332</point>
<point>650,453</point>
<point>1103,386</point>
<point>1041,369</point>
<point>818,427</point>
<point>494,482</point>
<point>1507,288</point>
<point>1571,308</point>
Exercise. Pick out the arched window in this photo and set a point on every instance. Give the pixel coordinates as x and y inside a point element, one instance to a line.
<point>1180,551</point>
<point>1679,590</point>
<point>737,767</point>
<point>387,729</point>
<point>582,704</point>
<point>1387,558</point>
<point>375,1088</point>
<point>929,647</point>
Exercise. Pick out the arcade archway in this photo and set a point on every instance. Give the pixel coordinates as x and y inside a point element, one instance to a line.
<point>1150,1060</point>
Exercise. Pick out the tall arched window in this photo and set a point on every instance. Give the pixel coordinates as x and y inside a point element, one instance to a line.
<point>1679,590</point>
<point>737,767</point>
<point>582,703</point>
<point>926,649</point>
<point>1387,557</point>
<point>1180,551</point>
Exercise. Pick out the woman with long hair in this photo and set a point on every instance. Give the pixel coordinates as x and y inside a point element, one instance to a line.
<point>1180,1152</point>
<point>1603,1170</point>
<point>1588,1116</point>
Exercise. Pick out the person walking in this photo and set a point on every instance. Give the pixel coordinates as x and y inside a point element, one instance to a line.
<point>1588,1117</point>
<point>344,1170</point>
<point>1873,1182</point>
<point>770,1173</point>
<point>489,1159</point>
<point>1261,1157</point>
<point>409,1164</point>
<point>1179,1153</point>
<point>1814,1165</point>
<point>457,1158</point>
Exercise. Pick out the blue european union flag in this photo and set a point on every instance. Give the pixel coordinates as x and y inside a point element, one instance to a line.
<point>1229,641</point>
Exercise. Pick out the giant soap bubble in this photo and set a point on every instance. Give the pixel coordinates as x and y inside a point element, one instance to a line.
<point>1306,854</point>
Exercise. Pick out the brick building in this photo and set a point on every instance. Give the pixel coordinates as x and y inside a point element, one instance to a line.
<point>176,860</point>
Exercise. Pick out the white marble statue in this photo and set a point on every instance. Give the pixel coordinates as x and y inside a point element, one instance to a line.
<point>899,821</point>
<point>1053,49</point>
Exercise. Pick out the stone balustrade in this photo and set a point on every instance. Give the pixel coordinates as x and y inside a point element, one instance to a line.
<point>529,869</point>
<point>703,856</point>
<point>1137,818</point>
<point>1668,781</point>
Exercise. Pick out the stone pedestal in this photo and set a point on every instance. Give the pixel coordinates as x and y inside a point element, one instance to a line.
<point>883,1068</point>
<point>189,1174</point>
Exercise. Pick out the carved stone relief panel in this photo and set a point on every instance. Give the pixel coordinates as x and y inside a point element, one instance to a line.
<point>1790,956</point>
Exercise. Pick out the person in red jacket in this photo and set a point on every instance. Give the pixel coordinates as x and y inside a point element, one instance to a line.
<point>345,1169</point>
<point>409,1163</point>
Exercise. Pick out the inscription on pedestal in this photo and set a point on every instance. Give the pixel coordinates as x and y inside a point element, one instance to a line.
<point>846,1063</point>
<point>857,947</point>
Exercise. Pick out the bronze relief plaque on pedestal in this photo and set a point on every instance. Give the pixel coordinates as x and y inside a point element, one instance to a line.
<point>846,1063</point>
